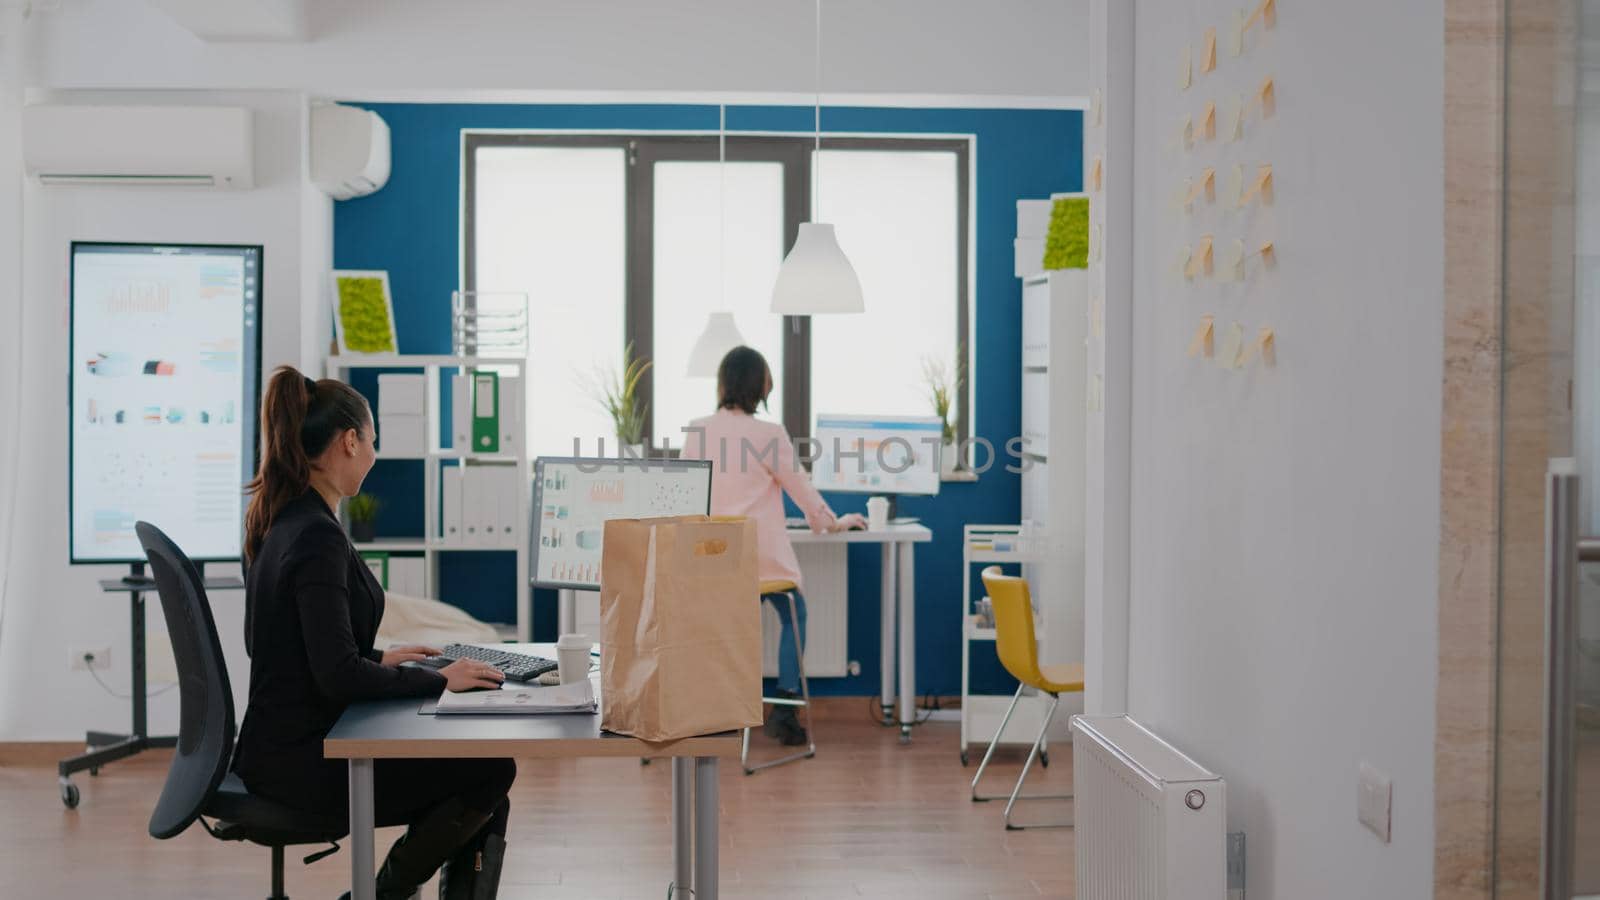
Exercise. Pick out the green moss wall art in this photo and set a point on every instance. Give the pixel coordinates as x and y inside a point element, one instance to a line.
<point>1066,246</point>
<point>363,314</point>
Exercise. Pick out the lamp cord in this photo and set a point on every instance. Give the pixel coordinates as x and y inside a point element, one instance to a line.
<point>722,205</point>
<point>816,157</point>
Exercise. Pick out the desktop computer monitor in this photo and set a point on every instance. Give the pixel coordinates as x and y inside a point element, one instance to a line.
<point>573,498</point>
<point>886,455</point>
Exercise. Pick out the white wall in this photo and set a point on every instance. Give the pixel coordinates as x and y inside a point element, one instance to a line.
<point>1286,521</point>
<point>51,605</point>
<point>365,48</point>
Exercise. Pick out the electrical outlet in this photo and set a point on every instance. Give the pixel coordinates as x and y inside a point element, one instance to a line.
<point>81,659</point>
<point>855,667</point>
<point>1374,801</point>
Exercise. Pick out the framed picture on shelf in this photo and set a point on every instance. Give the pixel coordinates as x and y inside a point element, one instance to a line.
<point>363,312</point>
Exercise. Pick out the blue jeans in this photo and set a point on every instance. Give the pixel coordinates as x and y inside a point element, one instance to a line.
<point>788,646</point>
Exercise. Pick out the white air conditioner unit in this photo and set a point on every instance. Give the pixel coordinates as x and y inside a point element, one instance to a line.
<point>200,146</point>
<point>349,151</point>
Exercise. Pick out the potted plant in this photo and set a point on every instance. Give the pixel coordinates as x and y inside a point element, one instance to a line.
<point>618,394</point>
<point>945,384</point>
<point>363,509</point>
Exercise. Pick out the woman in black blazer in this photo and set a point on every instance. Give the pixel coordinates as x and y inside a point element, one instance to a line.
<point>312,610</point>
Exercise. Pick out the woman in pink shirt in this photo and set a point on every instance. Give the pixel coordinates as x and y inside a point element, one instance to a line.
<point>754,463</point>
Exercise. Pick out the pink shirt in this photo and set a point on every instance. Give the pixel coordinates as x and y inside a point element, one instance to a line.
<point>752,464</point>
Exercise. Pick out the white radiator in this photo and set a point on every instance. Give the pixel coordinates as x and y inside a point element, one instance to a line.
<point>1151,822</point>
<point>824,569</point>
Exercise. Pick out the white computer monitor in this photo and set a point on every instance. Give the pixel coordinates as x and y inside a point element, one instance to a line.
<point>573,498</point>
<point>877,454</point>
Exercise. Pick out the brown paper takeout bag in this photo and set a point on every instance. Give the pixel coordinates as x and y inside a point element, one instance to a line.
<point>680,627</point>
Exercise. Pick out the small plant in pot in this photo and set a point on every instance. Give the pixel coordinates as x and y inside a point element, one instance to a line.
<point>945,385</point>
<point>363,509</point>
<point>618,394</point>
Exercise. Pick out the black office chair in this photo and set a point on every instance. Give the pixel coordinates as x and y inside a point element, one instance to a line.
<point>199,783</point>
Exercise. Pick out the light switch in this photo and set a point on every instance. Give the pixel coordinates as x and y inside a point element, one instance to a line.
<point>1374,798</point>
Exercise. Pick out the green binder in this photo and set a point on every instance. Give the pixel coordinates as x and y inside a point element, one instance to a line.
<point>485,412</point>
<point>378,562</point>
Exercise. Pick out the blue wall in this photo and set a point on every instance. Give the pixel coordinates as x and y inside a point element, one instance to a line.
<point>411,228</point>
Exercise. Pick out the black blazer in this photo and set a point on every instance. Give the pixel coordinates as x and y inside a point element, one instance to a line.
<point>311,617</point>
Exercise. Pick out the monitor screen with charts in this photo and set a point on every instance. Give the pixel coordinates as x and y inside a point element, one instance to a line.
<point>573,498</point>
<point>877,454</point>
<point>163,377</point>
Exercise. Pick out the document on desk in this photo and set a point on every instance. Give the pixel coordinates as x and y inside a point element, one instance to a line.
<point>525,701</point>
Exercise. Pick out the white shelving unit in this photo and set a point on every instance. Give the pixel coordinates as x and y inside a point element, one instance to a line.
<point>1049,546</point>
<point>987,545</point>
<point>436,370</point>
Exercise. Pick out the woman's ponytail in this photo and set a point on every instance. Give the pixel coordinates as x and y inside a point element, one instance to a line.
<point>293,401</point>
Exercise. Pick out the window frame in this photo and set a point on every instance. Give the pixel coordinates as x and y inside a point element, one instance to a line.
<point>794,151</point>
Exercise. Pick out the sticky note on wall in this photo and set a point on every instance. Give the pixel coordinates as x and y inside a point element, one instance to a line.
<point>1267,97</point>
<point>1185,72</point>
<point>1265,345</point>
<point>1202,342</point>
<point>1208,121</point>
<point>1228,358</point>
<point>1266,13</point>
<point>1260,187</point>
<point>1200,261</point>
<point>1208,51</point>
<point>1094,175</point>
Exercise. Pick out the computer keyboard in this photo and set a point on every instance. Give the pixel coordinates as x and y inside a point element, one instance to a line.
<point>516,666</point>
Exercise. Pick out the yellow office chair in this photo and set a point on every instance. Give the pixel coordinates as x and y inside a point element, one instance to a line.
<point>1019,653</point>
<point>786,588</point>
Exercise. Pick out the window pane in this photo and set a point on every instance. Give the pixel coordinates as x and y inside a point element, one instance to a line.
<point>687,228</point>
<point>551,221</point>
<point>895,214</point>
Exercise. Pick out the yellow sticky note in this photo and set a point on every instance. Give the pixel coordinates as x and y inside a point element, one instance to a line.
<point>1196,188</point>
<point>1269,255</point>
<point>1262,186</point>
<point>1229,357</point>
<point>1184,70</point>
<point>1094,175</point>
<point>1236,34</point>
<point>1186,132</point>
<point>1266,12</point>
<point>1097,316</point>
<point>1235,185</point>
<point>1208,51</point>
<point>1208,121</point>
<point>1267,97</point>
<point>1236,131</point>
<point>1201,343</point>
<point>1208,184</point>
<point>1200,260</point>
<point>1263,345</point>
<point>1181,264</point>
<point>1093,394</point>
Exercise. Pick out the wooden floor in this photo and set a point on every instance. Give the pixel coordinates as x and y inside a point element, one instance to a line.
<point>867,817</point>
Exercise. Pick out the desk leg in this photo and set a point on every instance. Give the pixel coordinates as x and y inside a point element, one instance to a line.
<point>363,883</point>
<point>706,811</point>
<point>886,597</point>
<point>682,827</point>
<point>908,641</point>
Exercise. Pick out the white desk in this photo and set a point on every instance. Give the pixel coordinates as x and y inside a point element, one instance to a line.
<point>897,591</point>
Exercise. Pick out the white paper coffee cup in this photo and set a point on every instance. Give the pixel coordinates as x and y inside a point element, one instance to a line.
<point>572,657</point>
<point>877,513</point>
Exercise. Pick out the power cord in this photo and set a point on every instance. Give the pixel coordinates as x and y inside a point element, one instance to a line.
<point>89,658</point>
<point>929,704</point>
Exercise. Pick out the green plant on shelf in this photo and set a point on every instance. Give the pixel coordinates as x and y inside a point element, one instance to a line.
<point>363,510</point>
<point>945,385</point>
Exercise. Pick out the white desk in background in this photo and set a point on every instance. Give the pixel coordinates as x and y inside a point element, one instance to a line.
<point>896,601</point>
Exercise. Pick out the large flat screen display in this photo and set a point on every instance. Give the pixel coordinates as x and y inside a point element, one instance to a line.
<point>164,383</point>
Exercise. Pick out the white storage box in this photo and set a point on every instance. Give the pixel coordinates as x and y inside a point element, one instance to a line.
<point>1033,218</point>
<point>1030,256</point>
<point>400,435</point>
<point>404,395</point>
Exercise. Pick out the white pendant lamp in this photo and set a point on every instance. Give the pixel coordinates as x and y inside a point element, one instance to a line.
<point>816,278</point>
<point>720,336</point>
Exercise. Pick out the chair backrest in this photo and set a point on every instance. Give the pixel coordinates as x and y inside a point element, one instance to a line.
<point>205,724</point>
<point>1013,625</point>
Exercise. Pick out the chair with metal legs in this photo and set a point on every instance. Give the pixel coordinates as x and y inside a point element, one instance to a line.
<point>786,589</point>
<point>1018,649</point>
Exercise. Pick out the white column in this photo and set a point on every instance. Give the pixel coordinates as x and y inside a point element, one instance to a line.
<point>12,38</point>
<point>1108,136</point>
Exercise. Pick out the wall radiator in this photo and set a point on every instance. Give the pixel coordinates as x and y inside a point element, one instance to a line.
<point>824,567</point>
<point>1151,822</point>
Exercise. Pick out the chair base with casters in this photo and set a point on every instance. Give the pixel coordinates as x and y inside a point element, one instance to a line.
<point>786,589</point>
<point>1019,653</point>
